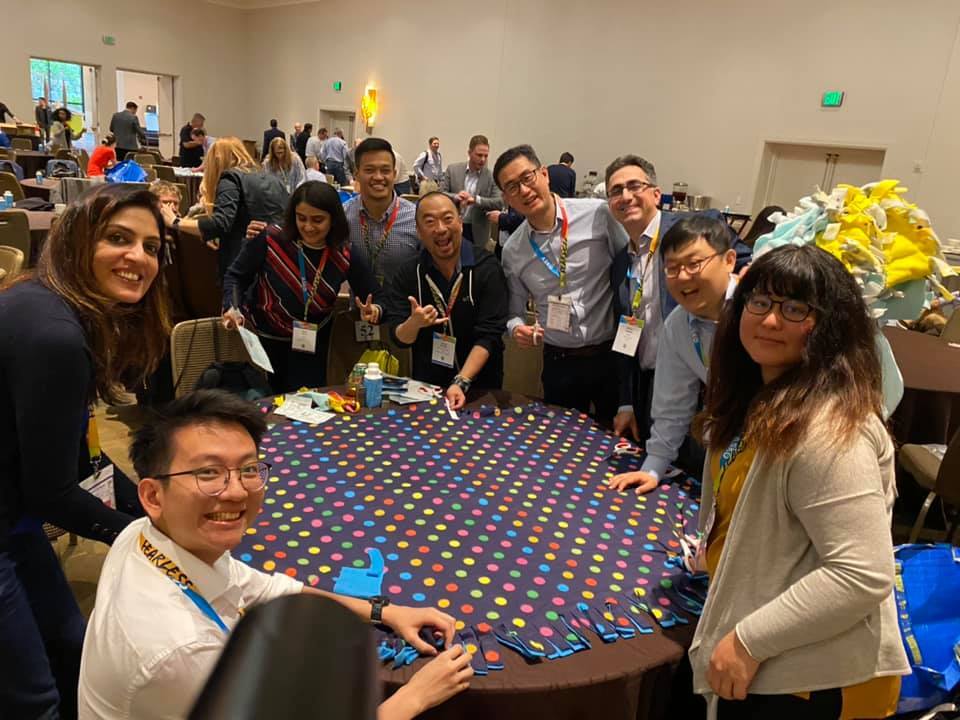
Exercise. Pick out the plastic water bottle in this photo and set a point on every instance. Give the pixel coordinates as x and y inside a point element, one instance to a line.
<point>373,385</point>
<point>39,177</point>
<point>7,200</point>
<point>355,382</point>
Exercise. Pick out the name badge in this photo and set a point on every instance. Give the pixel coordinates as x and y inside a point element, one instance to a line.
<point>365,332</point>
<point>628,335</point>
<point>304,336</point>
<point>100,485</point>
<point>559,313</point>
<point>444,350</point>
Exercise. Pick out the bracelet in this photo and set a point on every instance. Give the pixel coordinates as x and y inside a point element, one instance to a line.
<point>176,221</point>
<point>463,383</point>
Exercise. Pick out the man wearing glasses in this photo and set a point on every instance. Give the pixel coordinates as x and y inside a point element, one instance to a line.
<point>561,256</point>
<point>170,593</point>
<point>698,261</point>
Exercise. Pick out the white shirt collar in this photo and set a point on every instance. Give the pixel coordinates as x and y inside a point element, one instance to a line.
<point>212,581</point>
<point>653,227</point>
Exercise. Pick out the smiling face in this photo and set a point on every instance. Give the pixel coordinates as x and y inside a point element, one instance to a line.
<point>703,293</point>
<point>439,227</point>
<point>313,224</point>
<point>126,258</point>
<point>376,173</point>
<point>773,342</point>
<point>526,199</point>
<point>638,206</point>
<point>204,525</point>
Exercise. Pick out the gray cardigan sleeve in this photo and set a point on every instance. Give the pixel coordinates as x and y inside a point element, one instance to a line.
<point>838,496</point>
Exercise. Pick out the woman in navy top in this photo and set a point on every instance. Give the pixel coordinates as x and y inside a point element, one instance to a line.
<point>286,280</point>
<point>92,319</point>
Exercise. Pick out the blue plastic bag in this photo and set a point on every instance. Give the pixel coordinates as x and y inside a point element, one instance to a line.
<point>126,171</point>
<point>927,590</point>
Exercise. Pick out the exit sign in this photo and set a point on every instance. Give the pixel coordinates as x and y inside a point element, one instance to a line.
<point>337,86</point>
<point>832,98</point>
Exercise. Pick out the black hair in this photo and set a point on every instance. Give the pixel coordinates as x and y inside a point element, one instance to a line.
<point>692,227</point>
<point>432,193</point>
<point>762,224</point>
<point>273,123</point>
<point>371,145</point>
<point>321,196</point>
<point>131,105</point>
<point>56,113</point>
<point>631,160</point>
<point>511,154</point>
<point>566,158</point>
<point>152,448</point>
<point>308,128</point>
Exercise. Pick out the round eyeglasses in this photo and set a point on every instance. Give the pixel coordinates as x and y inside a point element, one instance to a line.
<point>791,310</point>
<point>212,480</point>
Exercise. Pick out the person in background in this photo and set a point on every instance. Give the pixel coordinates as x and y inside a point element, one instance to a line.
<point>150,649</point>
<point>761,224</point>
<point>472,187</point>
<point>125,126</point>
<point>4,140</point>
<point>352,160</point>
<point>383,227</point>
<point>301,143</point>
<point>297,129</point>
<point>234,191</point>
<point>798,494</point>
<point>563,178</point>
<point>168,195</point>
<point>268,136</point>
<point>191,144</point>
<point>103,157</point>
<point>429,163</point>
<point>60,135</point>
<point>293,274</point>
<point>315,146</point>
<point>43,117</point>
<point>312,172</point>
<point>91,321</point>
<point>450,304</point>
<point>284,164</point>
<point>402,185</point>
<point>334,156</point>
<point>4,111</point>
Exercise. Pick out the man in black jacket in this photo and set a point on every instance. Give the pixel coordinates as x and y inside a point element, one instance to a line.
<point>563,178</point>
<point>268,136</point>
<point>450,304</point>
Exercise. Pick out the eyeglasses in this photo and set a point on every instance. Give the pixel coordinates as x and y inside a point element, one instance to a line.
<point>635,187</point>
<point>214,479</point>
<point>529,178</point>
<point>694,267</point>
<point>791,310</point>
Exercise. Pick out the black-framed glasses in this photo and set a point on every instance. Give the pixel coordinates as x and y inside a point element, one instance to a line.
<point>635,187</point>
<point>694,267</point>
<point>529,178</point>
<point>212,480</point>
<point>790,310</point>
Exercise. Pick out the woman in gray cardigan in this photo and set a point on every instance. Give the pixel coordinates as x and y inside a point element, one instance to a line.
<point>800,620</point>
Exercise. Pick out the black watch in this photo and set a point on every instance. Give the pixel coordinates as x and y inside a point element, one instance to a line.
<point>377,604</point>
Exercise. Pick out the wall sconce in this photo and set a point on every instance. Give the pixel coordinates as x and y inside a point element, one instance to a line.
<point>368,107</point>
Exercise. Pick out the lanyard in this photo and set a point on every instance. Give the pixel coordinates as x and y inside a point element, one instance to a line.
<point>372,253</point>
<point>560,272</point>
<point>446,307</point>
<point>729,455</point>
<point>93,440</point>
<point>638,294</point>
<point>179,578</point>
<point>698,346</point>
<point>308,293</point>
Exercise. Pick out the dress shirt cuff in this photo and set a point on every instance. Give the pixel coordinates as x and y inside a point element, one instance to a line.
<point>625,408</point>
<point>655,466</point>
<point>512,324</point>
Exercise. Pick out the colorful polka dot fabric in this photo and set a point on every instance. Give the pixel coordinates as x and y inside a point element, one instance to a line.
<point>501,518</point>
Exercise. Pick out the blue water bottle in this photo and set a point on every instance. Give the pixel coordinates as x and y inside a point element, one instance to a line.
<point>373,385</point>
<point>39,177</point>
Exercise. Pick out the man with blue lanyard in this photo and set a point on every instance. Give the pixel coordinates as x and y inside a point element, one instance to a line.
<point>560,256</point>
<point>170,593</point>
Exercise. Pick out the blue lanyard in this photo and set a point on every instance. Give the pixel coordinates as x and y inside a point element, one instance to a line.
<point>307,293</point>
<point>729,455</point>
<point>698,346</point>
<point>303,276</point>
<point>205,607</point>
<point>554,270</point>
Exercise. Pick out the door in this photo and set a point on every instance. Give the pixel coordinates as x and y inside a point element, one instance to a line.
<point>153,95</point>
<point>789,172</point>
<point>332,119</point>
<point>165,114</point>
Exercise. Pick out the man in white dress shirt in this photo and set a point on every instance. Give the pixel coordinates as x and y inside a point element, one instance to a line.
<point>170,593</point>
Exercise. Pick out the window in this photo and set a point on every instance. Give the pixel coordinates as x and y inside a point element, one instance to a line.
<point>58,82</point>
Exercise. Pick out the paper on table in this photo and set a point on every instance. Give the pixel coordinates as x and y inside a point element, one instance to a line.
<point>294,402</point>
<point>309,415</point>
<point>258,356</point>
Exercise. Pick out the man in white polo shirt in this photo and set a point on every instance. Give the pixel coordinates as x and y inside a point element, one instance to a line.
<point>169,592</point>
<point>561,257</point>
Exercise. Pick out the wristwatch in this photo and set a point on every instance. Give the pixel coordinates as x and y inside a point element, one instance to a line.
<point>377,604</point>
<point>176,221</point>
<point>463,383</point>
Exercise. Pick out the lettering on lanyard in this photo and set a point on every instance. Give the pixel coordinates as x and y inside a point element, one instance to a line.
<point>374,253</point>
<point>444,351</point>
<point>726,459</point>
<point>558,272</point>
<point>638,293</point>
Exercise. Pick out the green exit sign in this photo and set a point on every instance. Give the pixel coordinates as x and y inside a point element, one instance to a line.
<point>109,40</point>
<point>832,98</point>
<point>338,86</point>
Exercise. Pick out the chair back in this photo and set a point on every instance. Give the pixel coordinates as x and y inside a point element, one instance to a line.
<point>197,268</point>
<point>15,231</point>
<point>84,159</point>
<point>196,344</point>
<point>251,146</point>
<point>8,154</point>
<point>343,350</point>
<point>11,166</point>
<point>165,172</point>
<point>151,173</point>
<point>21,144</point>
<point>948,476</point>
<point>65,154</point>
<point>8,181</point>
<point>951,331</point>
<point>11,262</point>
<point>145,159</point>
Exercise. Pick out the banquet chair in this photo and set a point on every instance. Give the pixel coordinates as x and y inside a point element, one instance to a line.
<point>151,173</point>
<point>343,350</point>
<point>196,344</point>
<point>64,154</point>
<point>936,469</point>
<point>8,181</point>
<point>8,154</point>
<point>21,144</point>
<point>15,231</point>
<point>11,262</point>
<point>84,159</point>
<point>145,160</point>
<point>165,172</point>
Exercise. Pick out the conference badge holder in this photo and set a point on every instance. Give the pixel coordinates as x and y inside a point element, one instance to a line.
<point>559,313</point>
<point>628,335</point>
<point>444,350</point>
<point>305,336</point>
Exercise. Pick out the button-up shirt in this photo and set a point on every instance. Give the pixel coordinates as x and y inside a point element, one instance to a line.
<point>315,147</point>
<point>335,150</point>
<point>149,649</point>
<point>429,165</point>
<point>400,245</point>
<point>643,265</point>
<point>594,237</point>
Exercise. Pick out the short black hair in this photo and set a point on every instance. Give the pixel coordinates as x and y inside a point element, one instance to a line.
<point>308,128</point>
<point>566,158</point>
<point>371,145</point>
<point>433,193</point>
<point>698,225</point>
<point>273,123</point>
<point>631,160</point>
<point>152,449</point>
<point>323,197</point>
<point>511,154</point>
<point>131,105</point>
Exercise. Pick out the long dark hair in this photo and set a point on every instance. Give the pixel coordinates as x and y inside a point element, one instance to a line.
<point>126,342</point>
<point>321,196</point>
<point>839,371</point>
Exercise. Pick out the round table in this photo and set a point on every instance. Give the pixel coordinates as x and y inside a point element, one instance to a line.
<point>538,531</point>
<point>930,409</point>
<point>31,188</point>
